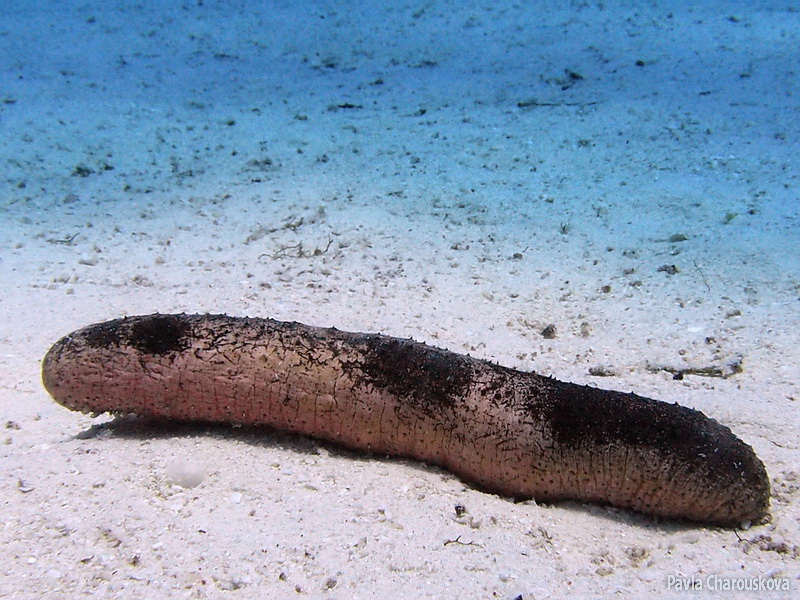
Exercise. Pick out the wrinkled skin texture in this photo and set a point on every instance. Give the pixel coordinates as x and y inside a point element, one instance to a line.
<point>506,431</point>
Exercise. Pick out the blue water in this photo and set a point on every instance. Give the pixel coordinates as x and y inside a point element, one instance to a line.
<point>634,121</point>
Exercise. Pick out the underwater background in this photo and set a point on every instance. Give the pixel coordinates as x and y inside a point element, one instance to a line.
<point>606,192</point>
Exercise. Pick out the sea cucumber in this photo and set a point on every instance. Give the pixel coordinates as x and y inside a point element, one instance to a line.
<point>506,431</point>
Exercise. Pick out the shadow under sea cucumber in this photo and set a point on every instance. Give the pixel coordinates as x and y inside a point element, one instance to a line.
<point>506,431</point>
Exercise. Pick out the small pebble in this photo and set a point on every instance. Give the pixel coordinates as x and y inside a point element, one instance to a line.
<point>185,473</point>
<point>689,538</point>
<point>649,574</point>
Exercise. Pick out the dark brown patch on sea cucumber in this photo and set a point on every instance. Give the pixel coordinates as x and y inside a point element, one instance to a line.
<point>153,334</point>
<point>429,379</point>
<point>104,335</point>
<point>583,416</point>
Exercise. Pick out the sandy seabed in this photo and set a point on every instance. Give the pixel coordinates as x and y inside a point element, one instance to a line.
<point>463,173</point>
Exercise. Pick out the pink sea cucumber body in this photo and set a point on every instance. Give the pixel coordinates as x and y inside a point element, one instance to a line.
<point>514,433</point>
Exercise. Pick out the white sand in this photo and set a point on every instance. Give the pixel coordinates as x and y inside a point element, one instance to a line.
<point>197,159</point>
